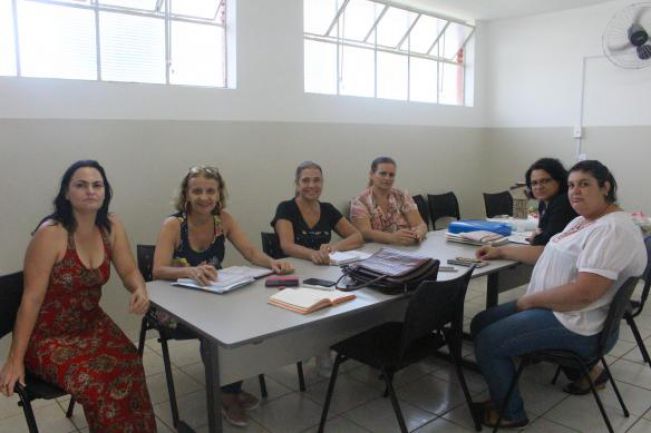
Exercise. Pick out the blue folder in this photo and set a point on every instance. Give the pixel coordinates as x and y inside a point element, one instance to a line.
<point>474,225</point>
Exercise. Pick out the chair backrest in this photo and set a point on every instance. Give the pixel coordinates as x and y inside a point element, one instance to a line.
<point>11,292</point>
<point>443,205</point>
<point>433,305</point>
<point>500,203</point>
<point>271,245</point>
<point>145,256</point>
<point>618,307</point>
<point>646,276</point>
<point>422,208</point>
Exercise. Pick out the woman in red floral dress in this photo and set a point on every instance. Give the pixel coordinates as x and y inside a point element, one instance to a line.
<point>61,333</point>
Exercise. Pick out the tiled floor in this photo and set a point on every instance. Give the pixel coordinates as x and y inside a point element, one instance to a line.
<point>429,395</point>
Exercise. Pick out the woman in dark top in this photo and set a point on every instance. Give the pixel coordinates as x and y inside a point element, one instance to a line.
<point>191,245</point>
<point>304,224</point>
<point>547,181</point>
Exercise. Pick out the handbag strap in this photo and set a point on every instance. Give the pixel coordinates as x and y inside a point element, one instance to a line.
<point>359,286</point>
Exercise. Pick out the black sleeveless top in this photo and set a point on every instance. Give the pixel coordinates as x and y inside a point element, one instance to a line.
<point>184,255</point>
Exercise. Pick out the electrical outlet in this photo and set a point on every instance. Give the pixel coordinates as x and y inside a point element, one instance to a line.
<point>578,132</point>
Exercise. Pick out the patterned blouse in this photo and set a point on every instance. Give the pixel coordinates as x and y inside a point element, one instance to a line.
<point>400,203</point>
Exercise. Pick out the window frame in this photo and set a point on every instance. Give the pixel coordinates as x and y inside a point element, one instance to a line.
<point>330,36</point>
<point>166,15</point>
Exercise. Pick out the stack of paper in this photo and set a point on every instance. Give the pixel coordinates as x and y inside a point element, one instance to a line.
<point>339,258</point>
<point>303,300</point>
<point>477,237</point>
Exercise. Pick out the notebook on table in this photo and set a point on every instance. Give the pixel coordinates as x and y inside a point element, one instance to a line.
<point>228,279</point>
<point>305,300</point>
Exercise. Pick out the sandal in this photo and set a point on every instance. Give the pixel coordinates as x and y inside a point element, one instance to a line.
<point>582,386</point>
<point>488,416</point>
<point>248,401</point>
<point>235,415</point>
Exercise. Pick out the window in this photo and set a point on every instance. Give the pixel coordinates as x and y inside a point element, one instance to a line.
<point>145,41</point>
<point>375,49</point>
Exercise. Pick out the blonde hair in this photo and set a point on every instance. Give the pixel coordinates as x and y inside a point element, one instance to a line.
<point>201,171</point>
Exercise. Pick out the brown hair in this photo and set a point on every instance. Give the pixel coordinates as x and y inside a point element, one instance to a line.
<point>380,160</point>
<point>201,171</point>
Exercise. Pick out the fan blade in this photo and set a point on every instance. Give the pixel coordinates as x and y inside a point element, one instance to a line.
<point>638,15</point>
<point>619,48</point>
<point>644,52</point>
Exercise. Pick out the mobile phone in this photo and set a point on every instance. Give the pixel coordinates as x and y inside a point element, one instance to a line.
<point>466,263</point>
<point>318,282</point>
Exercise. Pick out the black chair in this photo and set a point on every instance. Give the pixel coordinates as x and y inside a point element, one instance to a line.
<point>500,203</point>
<point>443,205</point>
<point>422,208</point>
<point>271,247</point>
<point>571,360</point>
<point>636,306</point>
<point>11,292</point>
<point>433,319</point>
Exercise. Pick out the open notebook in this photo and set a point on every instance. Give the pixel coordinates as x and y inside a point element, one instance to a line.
<point>304,300</point>
<point>228,279</point>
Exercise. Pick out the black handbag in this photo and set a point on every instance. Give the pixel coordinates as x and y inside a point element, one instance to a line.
<point>389,271</point>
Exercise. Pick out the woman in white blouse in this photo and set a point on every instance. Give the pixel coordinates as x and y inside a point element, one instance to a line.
<point>575,278</point>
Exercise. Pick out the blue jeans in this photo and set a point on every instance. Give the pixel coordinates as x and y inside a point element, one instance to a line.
<point>501,333</point>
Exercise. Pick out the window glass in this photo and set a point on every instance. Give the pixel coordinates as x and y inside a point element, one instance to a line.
<point>190,65</point>
<point>357,66</point>
<point>377,49</point>
<point>7,41</point>
<point>318,14</point>
<point>392,76</point>
<point>133,48</point>
<point>394,25</point>
<point>358,19</point>
<point>320,67</point>
<point>424,34</point>
<point>116,40</point>
<point>451,80</point>
<point>423,80</point>
<point>56,42</point>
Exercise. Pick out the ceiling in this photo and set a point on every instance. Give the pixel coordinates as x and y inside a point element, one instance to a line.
<point>496,9</point>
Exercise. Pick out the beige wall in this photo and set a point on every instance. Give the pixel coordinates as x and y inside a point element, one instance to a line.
<point>625,150</point>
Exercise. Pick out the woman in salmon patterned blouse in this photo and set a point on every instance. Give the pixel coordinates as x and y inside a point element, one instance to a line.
<point>386,214</point>
<point>61,333</point>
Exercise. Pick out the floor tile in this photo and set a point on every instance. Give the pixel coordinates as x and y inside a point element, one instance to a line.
<point>291,413</point>
<point>433,394</point>
<point>582,414</point>
<point>441,425</point>
<point>288,376</point>
<point>183,384</point>
<point>632,373</point>
<point>50,419</point>
<point>641,426</point>
<point>378,416</point>
<point>543,425</point>
<point>348,394</point>
<point>339,425</point>
<point>192,410</point>
<point>638,400</point>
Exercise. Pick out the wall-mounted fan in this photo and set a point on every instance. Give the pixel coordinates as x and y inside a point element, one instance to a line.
<point>626,39</point>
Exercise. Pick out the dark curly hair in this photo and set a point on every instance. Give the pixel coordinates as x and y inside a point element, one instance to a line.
<point>555,169</point>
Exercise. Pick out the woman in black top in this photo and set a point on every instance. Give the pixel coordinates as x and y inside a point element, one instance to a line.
<point>547,181</point>
<point>304,224</point>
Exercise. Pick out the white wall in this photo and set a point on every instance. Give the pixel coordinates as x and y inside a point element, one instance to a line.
<point>534,70</point>
<point>534,75</point>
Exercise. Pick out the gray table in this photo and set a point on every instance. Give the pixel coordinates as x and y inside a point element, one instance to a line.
<point>243,335</point>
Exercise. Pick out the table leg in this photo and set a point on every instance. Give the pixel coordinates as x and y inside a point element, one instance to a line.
<point>492,289</point>
<point>213,392</point>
